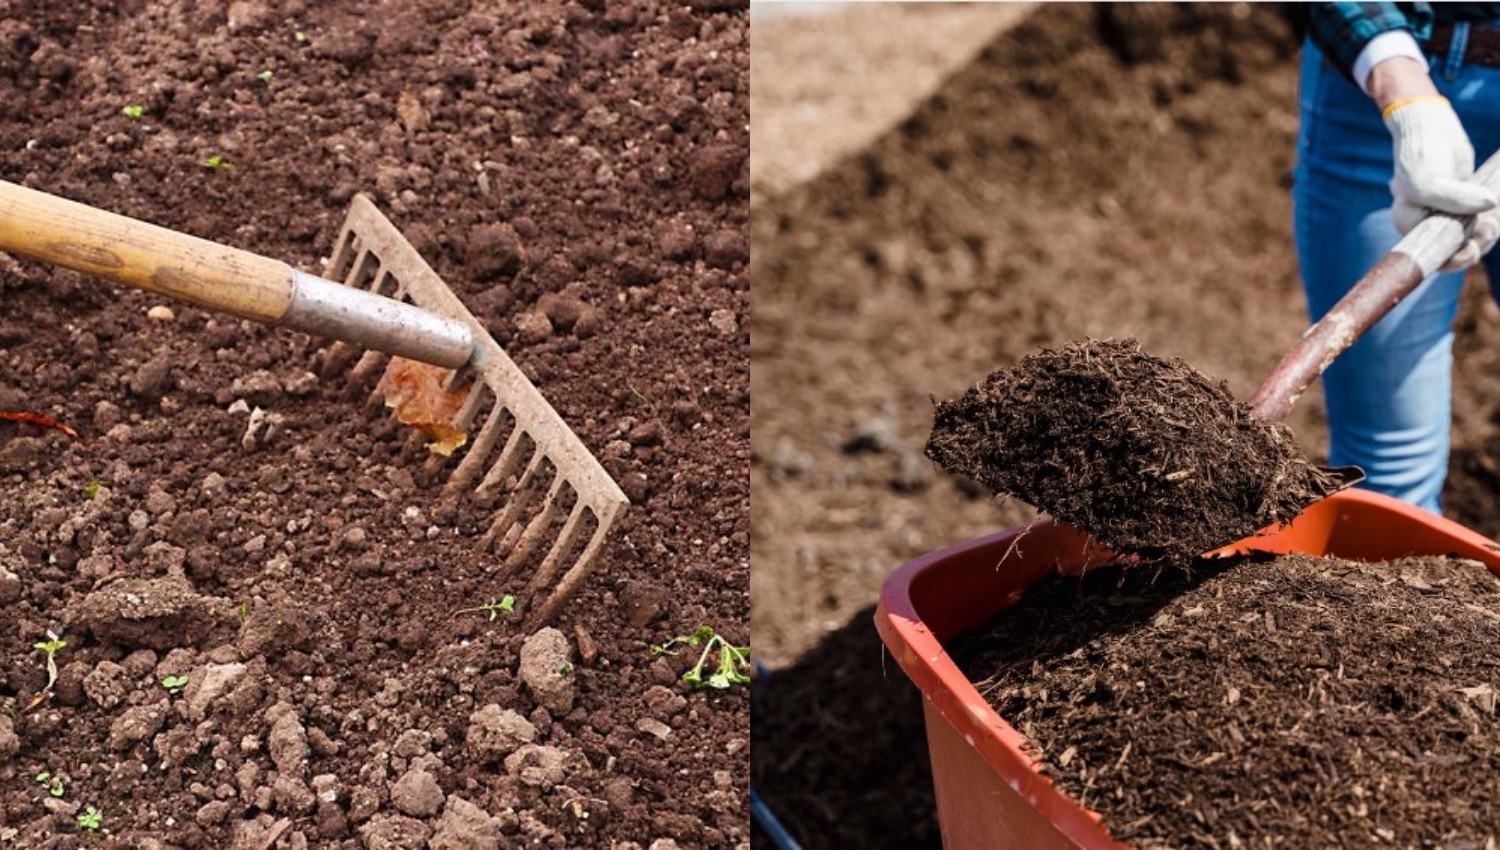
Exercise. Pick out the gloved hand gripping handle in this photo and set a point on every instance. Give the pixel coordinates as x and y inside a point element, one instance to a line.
<point>1420,253</point>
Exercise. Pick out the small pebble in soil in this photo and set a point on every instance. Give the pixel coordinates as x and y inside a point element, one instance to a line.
<point>494,251</point>
<point>261,429</point>
<point>547,669</point>
<point>495,733</point>
<point>10,742</point>
<point>152,379</point>
<point>724,322</point>
<point>10,586</point>
<point>417,793</point>
<point>533,327</point>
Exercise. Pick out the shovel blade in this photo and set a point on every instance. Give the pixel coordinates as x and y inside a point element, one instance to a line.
<point>1347,476</point>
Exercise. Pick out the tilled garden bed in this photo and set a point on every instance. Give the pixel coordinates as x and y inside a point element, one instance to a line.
<point>272,642</point>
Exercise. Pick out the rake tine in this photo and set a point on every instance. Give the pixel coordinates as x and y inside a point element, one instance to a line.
<point>575,575</point>
<point>509,457</point>
<point>518,501</point>
<point>483,444</point>
<point>535,532</point>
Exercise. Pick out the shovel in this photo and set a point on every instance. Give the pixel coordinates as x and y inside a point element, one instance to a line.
<point>546,485</point>
<point>1420,253</point>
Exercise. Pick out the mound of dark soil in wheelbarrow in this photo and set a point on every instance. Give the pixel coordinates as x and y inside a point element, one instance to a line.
<point>1147,455</point>
<point>1309,702</point>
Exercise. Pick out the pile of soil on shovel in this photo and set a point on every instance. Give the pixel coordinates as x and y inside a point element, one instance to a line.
<point>1147,455</point>
<point>1293,701</point>
<point>576,172</point>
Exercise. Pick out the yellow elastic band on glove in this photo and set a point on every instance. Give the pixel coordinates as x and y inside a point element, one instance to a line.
<point>1408,101</point>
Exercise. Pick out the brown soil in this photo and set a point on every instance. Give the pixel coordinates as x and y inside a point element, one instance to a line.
<point>1103,172</point>
<point>811,103</point>
<point>832,775</point>
<point>1146,455</point>
<point>577,172</point>
<point>1292,701</point>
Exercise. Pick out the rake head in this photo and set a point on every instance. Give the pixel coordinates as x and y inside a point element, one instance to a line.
<point>554,504</point>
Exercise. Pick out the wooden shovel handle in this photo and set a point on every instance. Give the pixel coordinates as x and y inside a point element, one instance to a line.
<point>74,236</point>
<point>1421,252</point>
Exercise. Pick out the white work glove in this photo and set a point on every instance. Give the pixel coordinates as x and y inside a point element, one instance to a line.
<point>1434,167</point>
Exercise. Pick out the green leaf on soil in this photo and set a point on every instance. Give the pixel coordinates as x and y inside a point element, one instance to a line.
<point>56,785</point>
<point>504,605</point>
<point>732,665</point>
<point>50,647</point>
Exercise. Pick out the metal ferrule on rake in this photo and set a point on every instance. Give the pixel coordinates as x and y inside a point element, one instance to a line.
<point>325,308</point>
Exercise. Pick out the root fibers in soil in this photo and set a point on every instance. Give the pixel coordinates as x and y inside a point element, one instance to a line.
<point>1289,702</point>
<point>1145,454</point>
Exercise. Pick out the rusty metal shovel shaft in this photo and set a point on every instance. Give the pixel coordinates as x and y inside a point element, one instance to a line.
<point>1420,253</point>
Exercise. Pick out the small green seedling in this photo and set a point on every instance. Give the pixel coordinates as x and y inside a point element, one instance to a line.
<point>91,489</point>
<point>732,667</point>
<point>174,684</point>
<point>697,638</point>
<point>265,76</point>
<point>244,611</point>
<point>134,110</point>
<point>55,784</point>
<point>300,36</point>
<point>217,163</point>
<point>565,670</point>
<point>638,397</point>
<point>50,647</point>
<point>91,819</point>
<point>504,605</point>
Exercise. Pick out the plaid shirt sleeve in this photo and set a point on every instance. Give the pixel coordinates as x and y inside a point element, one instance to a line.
<point>1341,30</point>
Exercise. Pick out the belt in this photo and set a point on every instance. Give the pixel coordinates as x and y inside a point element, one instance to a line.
<point>1483,47</point>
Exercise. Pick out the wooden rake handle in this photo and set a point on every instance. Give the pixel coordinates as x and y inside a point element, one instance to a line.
<point>145,256</point>
<point>1420,253</point>
<point>89,240</point>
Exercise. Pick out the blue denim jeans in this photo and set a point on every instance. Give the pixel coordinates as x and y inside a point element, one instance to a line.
<point>1389,397</point>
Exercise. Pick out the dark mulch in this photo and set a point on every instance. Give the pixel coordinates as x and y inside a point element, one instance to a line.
<point>1147,455</point>
<point>840,751</point>
<point>1290,702</point>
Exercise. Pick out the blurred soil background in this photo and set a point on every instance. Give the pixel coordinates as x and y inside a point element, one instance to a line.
<point>1010,178</point>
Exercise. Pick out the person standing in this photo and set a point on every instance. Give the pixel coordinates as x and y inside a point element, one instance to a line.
<point>1395,101</point>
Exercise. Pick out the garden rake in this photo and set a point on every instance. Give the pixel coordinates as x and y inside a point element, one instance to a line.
<point>387,307</point>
